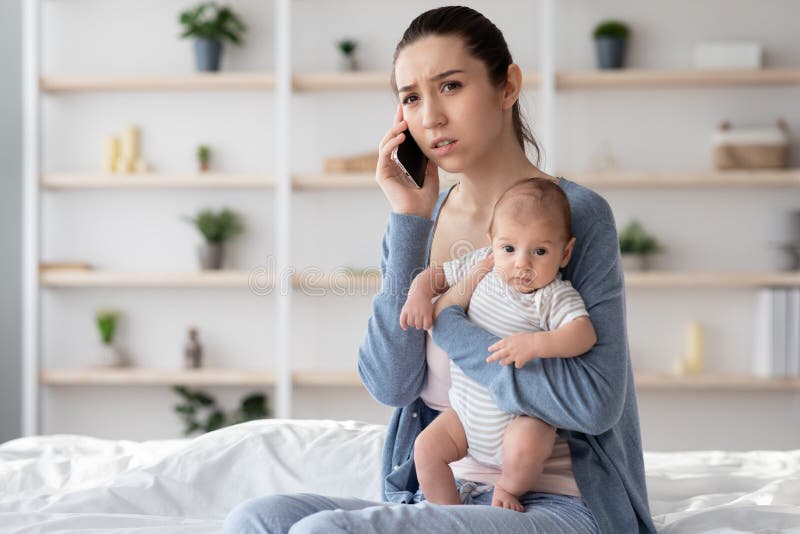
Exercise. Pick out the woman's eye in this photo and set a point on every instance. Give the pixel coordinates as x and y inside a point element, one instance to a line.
<point>408,100</point>
<point>454,85</point>
<point>540,251</point>
<point>508,248</point>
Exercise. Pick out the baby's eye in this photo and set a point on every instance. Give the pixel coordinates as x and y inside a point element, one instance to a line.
<point>540,251</point>
<point>508,248</point>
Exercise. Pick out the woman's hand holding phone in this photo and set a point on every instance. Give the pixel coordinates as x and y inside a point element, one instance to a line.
<point>403,197</point>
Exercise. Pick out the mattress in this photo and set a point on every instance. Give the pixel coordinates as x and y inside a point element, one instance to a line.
<point>65,483</point>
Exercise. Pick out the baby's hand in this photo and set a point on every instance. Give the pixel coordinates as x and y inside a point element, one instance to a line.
<point>518,349</point>
<point>417,312</point>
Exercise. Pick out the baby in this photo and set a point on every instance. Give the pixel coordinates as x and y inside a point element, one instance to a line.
<point>524,300</point>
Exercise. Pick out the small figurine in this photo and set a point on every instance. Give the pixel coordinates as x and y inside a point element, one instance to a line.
<point>193,352</point>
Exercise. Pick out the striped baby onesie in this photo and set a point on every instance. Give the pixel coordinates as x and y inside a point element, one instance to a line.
<point>503,311</point>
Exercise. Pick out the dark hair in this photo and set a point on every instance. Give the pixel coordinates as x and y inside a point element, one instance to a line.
<point>483,40</point>
<point>533,195</point>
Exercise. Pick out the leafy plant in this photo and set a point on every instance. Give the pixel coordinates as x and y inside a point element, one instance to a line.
<point>201,413</point>
<point>612,28</point>
<point>347,46</point>
<point>218,227</point>
<point>203,153</point>
<point>634,240</point>
<point>210,20</point>
<point>107,324</point>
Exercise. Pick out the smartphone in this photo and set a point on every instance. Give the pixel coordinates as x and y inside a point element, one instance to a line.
<point>411,160</point>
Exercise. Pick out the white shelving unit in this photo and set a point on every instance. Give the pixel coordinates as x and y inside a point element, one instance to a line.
<point>284,183</point>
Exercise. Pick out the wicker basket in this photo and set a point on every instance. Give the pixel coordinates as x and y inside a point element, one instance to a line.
<point>751,148</point>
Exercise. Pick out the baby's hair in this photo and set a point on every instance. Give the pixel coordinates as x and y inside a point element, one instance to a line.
<point>534,196</point>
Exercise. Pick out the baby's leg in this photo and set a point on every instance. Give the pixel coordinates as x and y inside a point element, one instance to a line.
<point>443,441</point>
<point>527,443</point>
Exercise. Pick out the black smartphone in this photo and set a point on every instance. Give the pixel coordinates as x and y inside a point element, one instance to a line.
<point>411,160</point>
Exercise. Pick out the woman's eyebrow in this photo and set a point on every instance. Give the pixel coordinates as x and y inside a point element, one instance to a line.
<point>438,77</point>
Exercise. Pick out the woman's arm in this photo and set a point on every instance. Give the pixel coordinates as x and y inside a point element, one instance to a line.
<point>391,361</point>
<point>584,394</point>
<point>568,341</point>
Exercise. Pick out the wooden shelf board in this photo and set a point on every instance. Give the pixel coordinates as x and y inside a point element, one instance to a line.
<point>714,179</point>
<point>327,378</point>
<point>188,82</point>
<point>664,279</point>
<point>211,180</point>
<point>645,380</point>
<point>717,382</point>
<point>379,80</point>
<point>346,180</point>
<point>346,283</point>
<point>155,377</point>
<point>97,278</point>
<point>653,78</point>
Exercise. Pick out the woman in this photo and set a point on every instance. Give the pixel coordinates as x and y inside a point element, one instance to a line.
<point>458,90</point>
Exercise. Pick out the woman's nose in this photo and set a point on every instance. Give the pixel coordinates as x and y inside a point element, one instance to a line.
<point>432,115</point>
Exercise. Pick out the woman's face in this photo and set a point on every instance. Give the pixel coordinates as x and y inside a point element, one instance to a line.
<point>453,112</point>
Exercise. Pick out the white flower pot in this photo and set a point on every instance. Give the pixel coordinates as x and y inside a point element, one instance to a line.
<point>108,356</point>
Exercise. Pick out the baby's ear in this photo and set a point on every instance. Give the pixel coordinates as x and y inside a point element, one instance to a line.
<point>568,252</point>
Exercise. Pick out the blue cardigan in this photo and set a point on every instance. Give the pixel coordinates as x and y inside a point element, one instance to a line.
<point>591,399</point>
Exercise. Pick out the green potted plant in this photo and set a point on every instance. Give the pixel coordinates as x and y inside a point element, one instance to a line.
<point>200,411</point>
<point>348,60</point>
<point>108,354</point>
<point>635,246</point>
<point>203,157</point>
<point>211,24</point>
<point>610,39</point>
<point>217,229</point>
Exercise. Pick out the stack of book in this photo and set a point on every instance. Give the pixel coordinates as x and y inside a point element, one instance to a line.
<point>777,335</point>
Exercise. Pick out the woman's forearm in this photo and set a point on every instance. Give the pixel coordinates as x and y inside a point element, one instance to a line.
<point>573,339</point>
<point>391,361</point>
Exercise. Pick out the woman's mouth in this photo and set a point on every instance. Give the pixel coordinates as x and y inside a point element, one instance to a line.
<point>444,147</point>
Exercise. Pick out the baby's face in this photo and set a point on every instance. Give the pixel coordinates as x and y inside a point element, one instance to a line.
<point>527,255</point>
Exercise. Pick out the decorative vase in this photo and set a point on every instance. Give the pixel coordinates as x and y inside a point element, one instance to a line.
<point>610,52</point>
<point>193,351</point>
<point>207,53</point>
<point>210,255</point>
<point>204,165</point>
<point>632,262</point>
<point>348,63</point>
<point>109,356</point>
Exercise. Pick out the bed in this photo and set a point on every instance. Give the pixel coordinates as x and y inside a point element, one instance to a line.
<point>80,484</point>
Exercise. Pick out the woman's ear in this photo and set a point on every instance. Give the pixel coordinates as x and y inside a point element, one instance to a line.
<point>568,252</point>
<point>513,86</point>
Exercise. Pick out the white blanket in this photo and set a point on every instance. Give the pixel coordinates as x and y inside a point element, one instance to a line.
<point>78,484</point>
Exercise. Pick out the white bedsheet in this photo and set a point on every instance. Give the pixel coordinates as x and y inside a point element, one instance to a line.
<point>78,484</point>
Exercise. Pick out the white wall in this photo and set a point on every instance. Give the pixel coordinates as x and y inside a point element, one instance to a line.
<point>140,230</point>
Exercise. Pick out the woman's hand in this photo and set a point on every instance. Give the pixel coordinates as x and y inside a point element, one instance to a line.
<point>461,293</point>
<point>403,197</point>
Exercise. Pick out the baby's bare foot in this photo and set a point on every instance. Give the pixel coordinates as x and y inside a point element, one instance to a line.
<point>504,499</point>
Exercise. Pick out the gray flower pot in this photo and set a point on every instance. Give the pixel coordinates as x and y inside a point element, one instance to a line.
<point>610,52</point>
<point>207,53</point>
<point>632,262</point>
<point>210,256</point>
